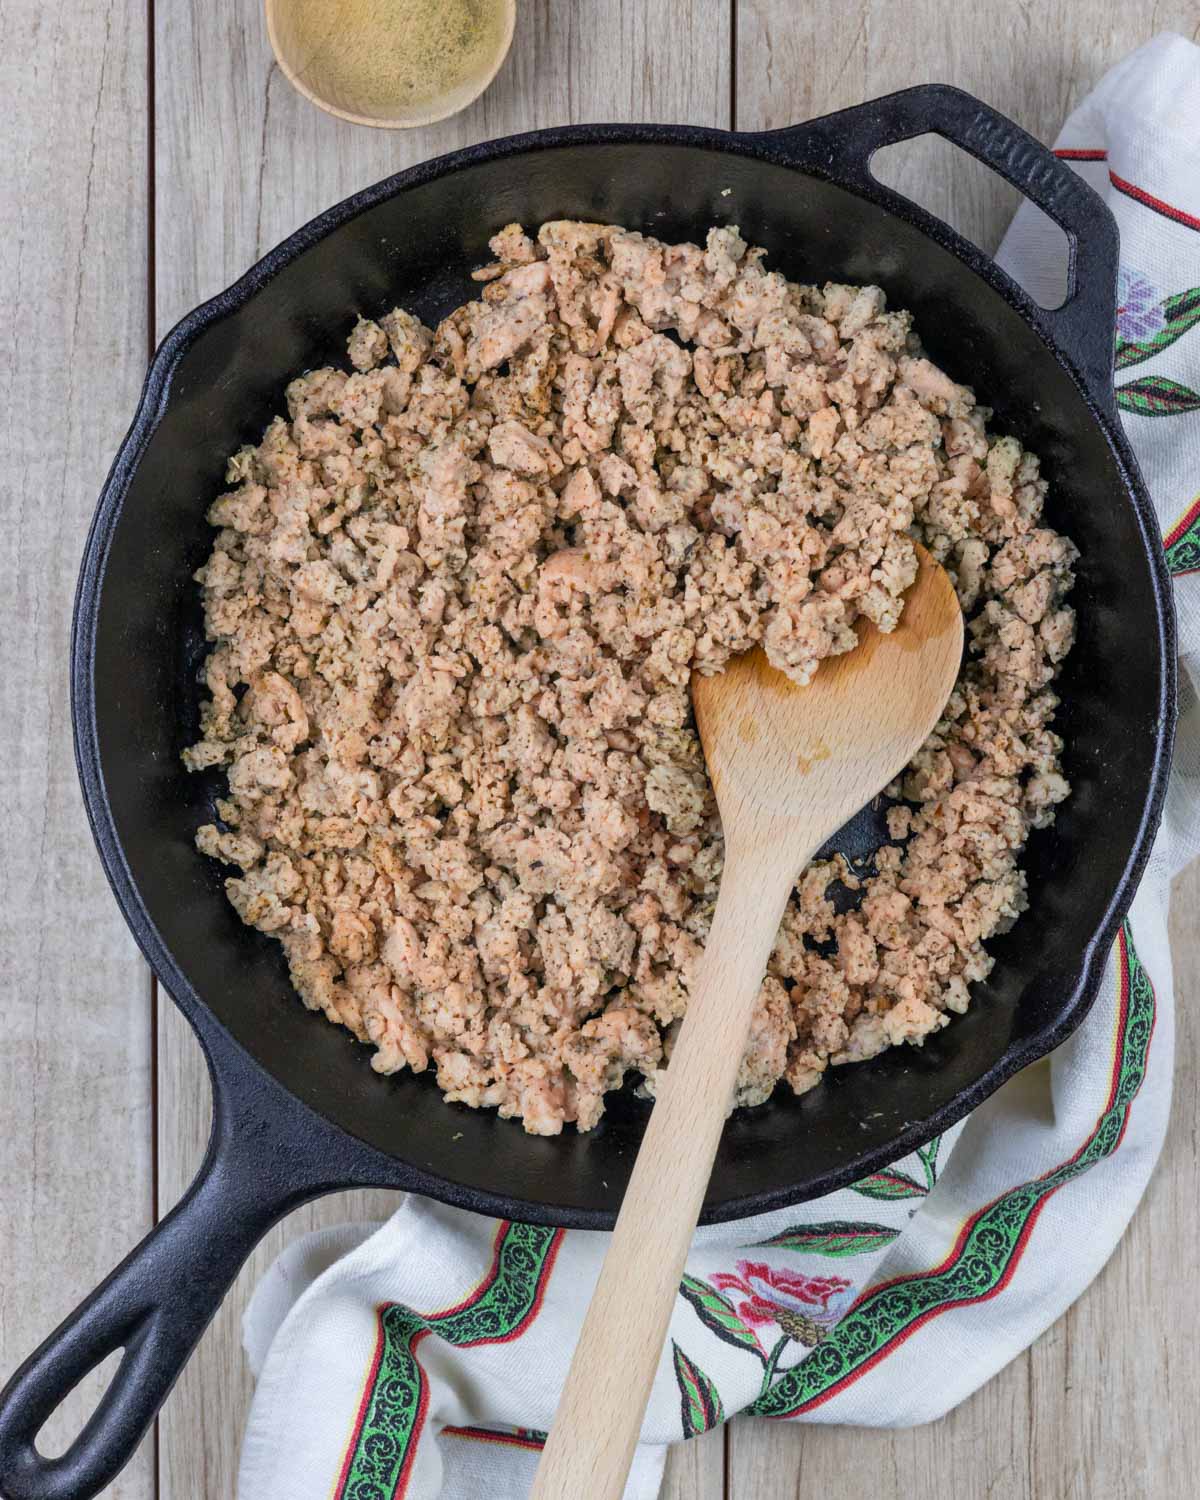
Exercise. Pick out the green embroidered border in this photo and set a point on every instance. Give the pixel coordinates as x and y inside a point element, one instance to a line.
<point>395,1405</point>
<point>980,1265</point>
<point>1183,545</point>
<point>988,1252</point>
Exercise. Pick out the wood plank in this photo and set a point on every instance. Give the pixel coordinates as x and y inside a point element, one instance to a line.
<point>269,162</point>
<point>1033,62</point>
<point>272,161</point>
<point>1048,1425</point>
<point>696,1469</point>
<point>1097,1406</point>
<point>1113,1384</point>
<point>959,1458</point>
<point>75,1167</point>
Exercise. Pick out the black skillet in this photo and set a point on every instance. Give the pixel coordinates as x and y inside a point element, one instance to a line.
<point>297,1110</point>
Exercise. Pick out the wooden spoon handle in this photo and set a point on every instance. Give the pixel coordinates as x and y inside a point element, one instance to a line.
<point>595,1432</point>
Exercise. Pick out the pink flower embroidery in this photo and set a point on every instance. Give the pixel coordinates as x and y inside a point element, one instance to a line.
<point>804,1307</point>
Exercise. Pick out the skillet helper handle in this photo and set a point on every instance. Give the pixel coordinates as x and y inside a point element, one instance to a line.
<point>160,1299</point>
<point>154,1306</point>
<point>845,142</point>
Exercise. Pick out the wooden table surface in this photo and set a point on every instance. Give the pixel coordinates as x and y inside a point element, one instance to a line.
<point>154,152</point>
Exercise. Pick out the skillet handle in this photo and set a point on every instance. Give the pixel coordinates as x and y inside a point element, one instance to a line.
<point>267,1154</point>
<point>841,146</point>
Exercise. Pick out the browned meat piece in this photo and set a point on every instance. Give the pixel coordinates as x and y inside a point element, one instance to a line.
<point>455,600</point>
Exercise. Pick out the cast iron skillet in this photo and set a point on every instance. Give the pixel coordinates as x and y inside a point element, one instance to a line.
<point>297,1109</point>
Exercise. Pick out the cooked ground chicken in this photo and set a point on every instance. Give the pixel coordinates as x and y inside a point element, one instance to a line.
<point>455,601</point>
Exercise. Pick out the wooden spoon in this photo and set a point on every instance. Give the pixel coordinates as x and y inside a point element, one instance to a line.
<point>788,766</point>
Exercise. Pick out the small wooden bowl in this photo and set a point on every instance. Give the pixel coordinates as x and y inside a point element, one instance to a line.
<point>310,74</point>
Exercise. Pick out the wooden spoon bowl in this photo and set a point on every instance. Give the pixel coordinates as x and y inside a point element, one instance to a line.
<point>789,765</point>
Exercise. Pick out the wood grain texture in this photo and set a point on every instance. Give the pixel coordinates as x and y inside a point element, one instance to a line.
<point>74,993</point>
<point>270,161</point>
<point>696,1469</point>
<point>1101,1405</point>
<point>788,767</point>
<point>1095,1407</point>
<point>1033,61</point>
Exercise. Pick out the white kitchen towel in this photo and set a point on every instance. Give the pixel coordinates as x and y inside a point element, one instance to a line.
<point>424,1358</point>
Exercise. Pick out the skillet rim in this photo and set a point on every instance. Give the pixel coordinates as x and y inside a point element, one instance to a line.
<point>155,395</point>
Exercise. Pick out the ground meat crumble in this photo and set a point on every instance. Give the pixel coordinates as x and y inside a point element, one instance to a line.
<point>455,601</point>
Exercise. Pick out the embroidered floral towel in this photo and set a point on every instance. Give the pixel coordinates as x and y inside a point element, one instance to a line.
<point>423,1359</point>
